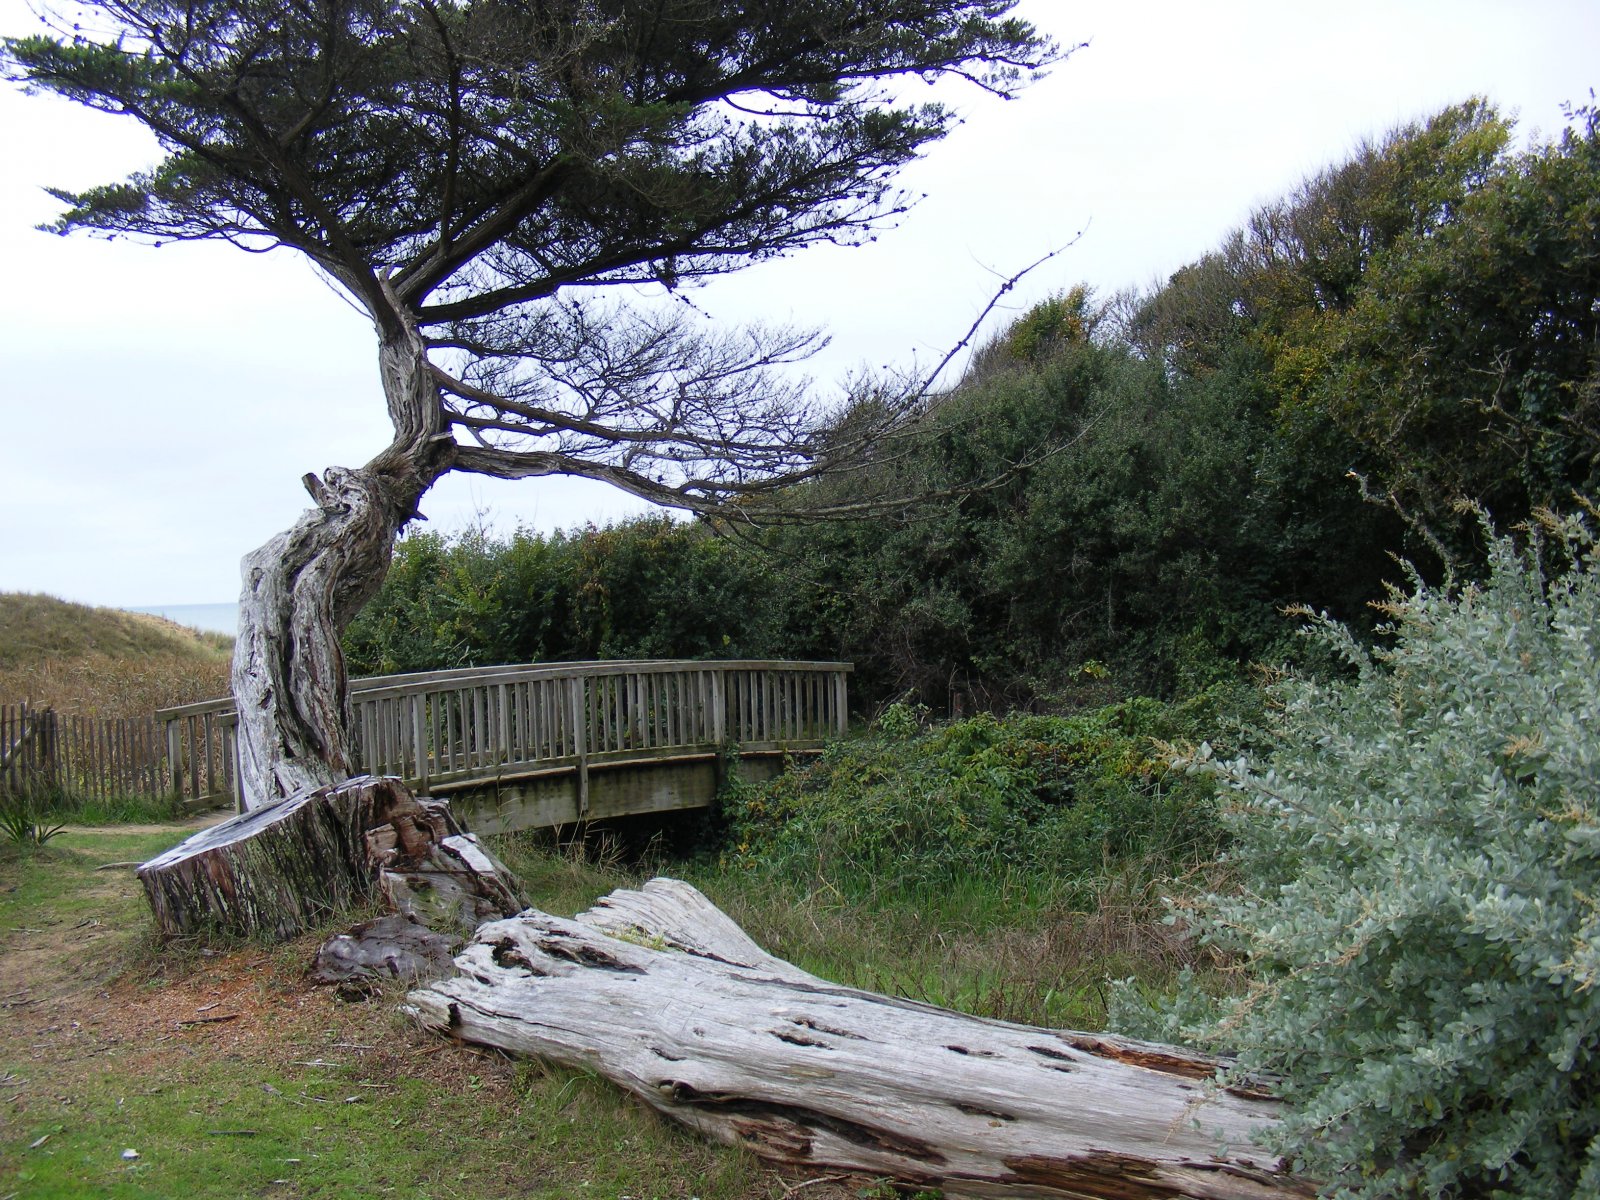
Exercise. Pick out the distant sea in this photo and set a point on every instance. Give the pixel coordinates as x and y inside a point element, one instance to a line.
<point>214,618</point>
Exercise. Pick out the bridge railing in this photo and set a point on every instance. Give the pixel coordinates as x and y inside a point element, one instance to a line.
<point>454,728</point>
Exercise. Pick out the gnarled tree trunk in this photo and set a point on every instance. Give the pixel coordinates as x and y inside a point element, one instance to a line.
<point>661,993</point>
<point>280,869</point>
<point>305,586</point>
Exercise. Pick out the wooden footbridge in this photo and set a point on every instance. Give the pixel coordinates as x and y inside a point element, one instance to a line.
<point>522,747</point>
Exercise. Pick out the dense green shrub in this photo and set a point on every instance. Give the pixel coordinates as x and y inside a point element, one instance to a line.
<point>1160,544</point>
<point>647,588</point>
<point>1037,807</point>
<point>1420,867</point>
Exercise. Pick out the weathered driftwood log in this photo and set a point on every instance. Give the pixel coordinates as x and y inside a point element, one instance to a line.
<point>280,869</point>
<point>658,991</point>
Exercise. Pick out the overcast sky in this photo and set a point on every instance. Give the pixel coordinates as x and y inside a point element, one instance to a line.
<point>160,406</point>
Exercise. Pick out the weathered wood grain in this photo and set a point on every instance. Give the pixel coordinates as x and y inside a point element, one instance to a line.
<point>278,870</point>
<point>660,992</point>
<point>448,729</point>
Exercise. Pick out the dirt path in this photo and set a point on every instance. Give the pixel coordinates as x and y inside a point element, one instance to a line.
<point>178,829</point>
<point>200,1057</point>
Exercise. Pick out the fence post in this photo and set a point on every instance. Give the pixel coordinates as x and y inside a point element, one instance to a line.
<point>175,758</point>
<point>50,749</point>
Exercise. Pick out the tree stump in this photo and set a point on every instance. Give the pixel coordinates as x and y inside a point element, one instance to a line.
<point>658,991</point>
<point>281,869</point>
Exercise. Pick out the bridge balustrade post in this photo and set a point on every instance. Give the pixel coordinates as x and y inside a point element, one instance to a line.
<point>415,708</point>
<point>580,738</point>
<point>719,706</point>
<point>228,743</point>
<point>505,728</point>
<point>192,724</point>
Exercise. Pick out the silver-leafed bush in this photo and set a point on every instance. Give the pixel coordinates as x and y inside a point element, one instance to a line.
<point>1418,906</point>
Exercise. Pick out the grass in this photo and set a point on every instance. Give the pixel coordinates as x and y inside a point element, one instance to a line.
<point>38,626</point>
<point>53,808</point>
<point>240,1127</point>
<point>229,1075</point>
<point>114,810</point>
<point>978,950</point>
<point>103,661</point>
<point>111,1042</point>
<point>1046,967</point>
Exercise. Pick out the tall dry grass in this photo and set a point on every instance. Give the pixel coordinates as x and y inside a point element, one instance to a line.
<point>1044,967</point>
<point>104,662</point>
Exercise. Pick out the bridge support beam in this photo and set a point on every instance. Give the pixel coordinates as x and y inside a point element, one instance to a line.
<point>569,796</point>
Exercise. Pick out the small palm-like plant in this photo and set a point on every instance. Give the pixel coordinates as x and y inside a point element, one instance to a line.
<point>23,824</point>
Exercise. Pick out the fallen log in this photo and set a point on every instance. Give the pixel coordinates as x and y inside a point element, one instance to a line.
<point>660,992</point>
<point>278,870</point>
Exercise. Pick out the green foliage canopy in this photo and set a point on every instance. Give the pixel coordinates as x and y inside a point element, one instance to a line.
<point>1203,440</point>
<point>475,173</point>
<point>1468,365</point>
<point>651,588</point>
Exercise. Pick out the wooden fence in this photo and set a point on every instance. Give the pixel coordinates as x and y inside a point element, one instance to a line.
<point>49,755</point>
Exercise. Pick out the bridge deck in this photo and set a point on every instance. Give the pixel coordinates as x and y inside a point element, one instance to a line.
<point>484,726</point>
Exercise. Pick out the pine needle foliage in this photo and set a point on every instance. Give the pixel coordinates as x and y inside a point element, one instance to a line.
<point>1420,867</point>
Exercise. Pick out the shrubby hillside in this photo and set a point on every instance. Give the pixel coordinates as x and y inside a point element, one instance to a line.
<point>1166,471</point>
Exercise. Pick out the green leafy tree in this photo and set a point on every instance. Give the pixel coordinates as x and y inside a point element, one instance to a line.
<point>1154,553</point>
<point>647,588</point>
<point>1468,366</point>
<point>473,173</point>
<point>916,598</point>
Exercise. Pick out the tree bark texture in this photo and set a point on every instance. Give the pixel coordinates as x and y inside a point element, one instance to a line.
<point>393,946</point>
<point>661,993</point>
<point>276,871</point>
<point>304,587</point>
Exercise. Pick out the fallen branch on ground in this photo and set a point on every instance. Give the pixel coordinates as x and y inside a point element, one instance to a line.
<point>660,992</point>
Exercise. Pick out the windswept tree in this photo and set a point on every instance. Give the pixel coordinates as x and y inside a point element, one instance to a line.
<point>481,177</point>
